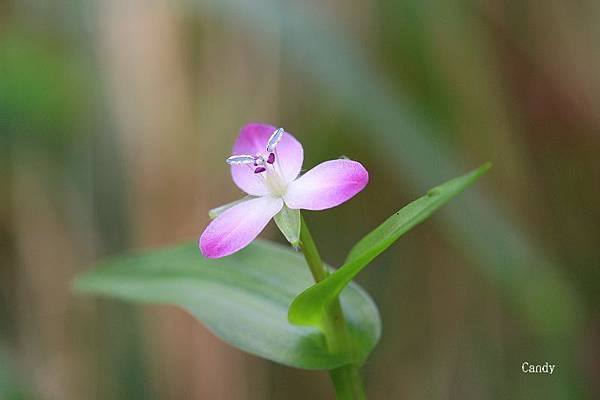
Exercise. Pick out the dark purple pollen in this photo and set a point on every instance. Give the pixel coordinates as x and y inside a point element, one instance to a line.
<point>271,158</point>
<point>259,170</point>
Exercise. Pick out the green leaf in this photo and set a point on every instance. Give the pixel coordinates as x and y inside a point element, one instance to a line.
<point>307,307</point>
<point>243,298</point>
<point>288,222</point>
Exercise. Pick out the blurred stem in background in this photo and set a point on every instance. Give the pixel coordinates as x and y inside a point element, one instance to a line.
<point>156,130</point>
<point>11,386</point>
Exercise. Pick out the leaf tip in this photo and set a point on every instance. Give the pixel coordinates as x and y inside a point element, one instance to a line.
<point>485,167</point>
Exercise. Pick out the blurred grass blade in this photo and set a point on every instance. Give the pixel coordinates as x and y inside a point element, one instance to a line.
<point>307,307</point>
<point>13,386</point>
<point>243,298</point>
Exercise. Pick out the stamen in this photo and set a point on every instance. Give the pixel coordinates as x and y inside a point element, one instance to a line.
<point>240,159</point>
<point>259,170</point>
<point>275,139</point>
<point>271,158</point>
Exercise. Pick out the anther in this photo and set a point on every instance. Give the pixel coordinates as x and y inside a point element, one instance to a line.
<point>271,158</point>
<point>259,170</point>
<point>275,139</point>
<point>240,159</point>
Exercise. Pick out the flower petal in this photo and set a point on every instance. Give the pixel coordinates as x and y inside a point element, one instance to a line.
<point>327,185</point>
<point>253,140</point>
<point>237,226</point>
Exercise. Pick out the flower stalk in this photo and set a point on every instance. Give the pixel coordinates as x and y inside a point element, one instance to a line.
<point>346,379</point>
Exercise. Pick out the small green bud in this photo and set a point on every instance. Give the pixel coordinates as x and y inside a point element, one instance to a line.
<point>288,222</point>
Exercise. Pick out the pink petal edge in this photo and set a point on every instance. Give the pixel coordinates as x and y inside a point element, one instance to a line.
<point>237,226</point>
<point>327,185</point>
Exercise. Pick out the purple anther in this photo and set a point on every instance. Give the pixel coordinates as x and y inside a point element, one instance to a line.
<point>259,170</point>
<point>271,158</point>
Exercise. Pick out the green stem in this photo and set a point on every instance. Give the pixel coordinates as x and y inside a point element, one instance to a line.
<point>346,379</point>
<point>347,382</point>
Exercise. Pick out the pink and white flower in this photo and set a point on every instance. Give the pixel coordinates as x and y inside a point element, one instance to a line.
<point>266,164</point>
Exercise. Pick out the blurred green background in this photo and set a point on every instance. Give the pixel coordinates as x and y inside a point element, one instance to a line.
<point>115,119</point>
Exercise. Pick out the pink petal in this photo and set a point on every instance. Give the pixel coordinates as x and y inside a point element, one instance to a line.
<point>253,140</point>
<point>236,227</point>
<point>327,185</point>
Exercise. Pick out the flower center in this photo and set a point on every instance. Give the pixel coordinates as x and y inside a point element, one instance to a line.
<point>273,176</point>
<point>266,166</point>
